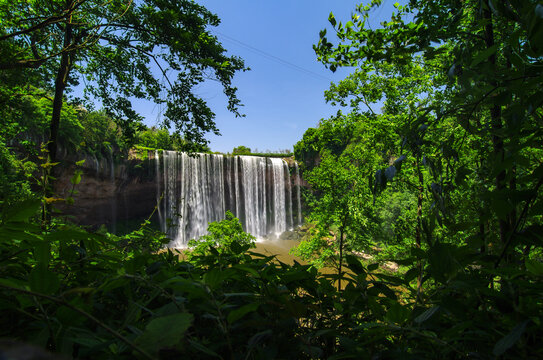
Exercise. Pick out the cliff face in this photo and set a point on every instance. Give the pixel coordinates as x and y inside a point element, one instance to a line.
<point>113,191</point>
<point>110,190</point>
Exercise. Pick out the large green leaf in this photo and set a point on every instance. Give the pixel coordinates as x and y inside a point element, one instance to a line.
<point>237,314</point>
<point>483,55</point>
<point>42,252</point>
<point>443,264</point>
<point>203,349</point>
<point>354,264</point>
<point>535,267</point>
<point>43,280</point>
<point>214,277</point>
<point>510,339</point>
<point>397,313</point>
<point>22,211</point>
<point>427,314</point>
<point>165,331</point>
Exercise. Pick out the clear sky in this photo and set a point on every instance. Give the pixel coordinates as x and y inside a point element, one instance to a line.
<point>283,93</point>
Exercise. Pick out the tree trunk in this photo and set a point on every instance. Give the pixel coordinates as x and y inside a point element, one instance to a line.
<point>60,85</point>
<point>340,258</point>
<point>496,124</point>
<point>61,81</point>
<point>418,229</point>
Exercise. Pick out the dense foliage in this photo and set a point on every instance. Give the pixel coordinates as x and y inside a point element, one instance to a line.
<point>452,160</point>
<point>241,150</point>
<point>120,51</point>
<point>244,150</point>
<point>100,296</point>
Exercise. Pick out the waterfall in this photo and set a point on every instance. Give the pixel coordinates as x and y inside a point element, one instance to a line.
<point>236,179</point>
<point>298,185</point>
<point>289,196</point>
<point>159,191</point>
<point>254,194</point>
<point>114,185</point>
<point>199,188</point>
<point>279,211</point>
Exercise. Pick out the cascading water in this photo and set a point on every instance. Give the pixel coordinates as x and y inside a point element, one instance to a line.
<point>289,197</point>
<point>254,194</point>
<point>298,197</point>
<point>159,191</point>
<point>279,211</point>
<point>199,188</point>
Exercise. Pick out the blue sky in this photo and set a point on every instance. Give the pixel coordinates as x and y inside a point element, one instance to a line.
<point>283,92</point>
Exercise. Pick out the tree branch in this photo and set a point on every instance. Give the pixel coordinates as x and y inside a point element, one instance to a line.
<point>23,64</point>
<point>518,222</point>
<point>50,21</point>
<point>115,42</point>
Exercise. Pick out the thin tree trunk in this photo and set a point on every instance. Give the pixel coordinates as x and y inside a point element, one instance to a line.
<point>340,258</point>
<point>61,81</point>
<point>418,229</point>
<point>496,123</point>
<point>60,85</point>
<point>482,235</point>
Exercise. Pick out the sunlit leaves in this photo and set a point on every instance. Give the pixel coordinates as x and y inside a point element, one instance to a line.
<point>154,50</point>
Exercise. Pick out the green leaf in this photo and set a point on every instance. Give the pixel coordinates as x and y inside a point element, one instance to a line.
<point>65,235</point>
<point>483,55</point>
<point>373,267</point>
<point>89,342</point>
<point>510,339</point>
<point>22,211</point>
<point>443,265</point>
<point>427,314</point>
<point>42,252</point>
<point>18,284</point>
<point>397,313</point>
<point>259,338</point>
<point>237,314</point>
<point>203,349</point>
<point>354,264</point>
<point>535,267</point>
<point>165,331</point>
<point>332,19</point>
<point>69,317</point>
<point>411,274</point>
<point>76,179</point>
<point>214,277</point>
<point>43,280</point>
<point>246,268</point>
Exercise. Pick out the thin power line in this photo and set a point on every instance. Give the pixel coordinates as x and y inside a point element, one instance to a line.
<point>273,57</point>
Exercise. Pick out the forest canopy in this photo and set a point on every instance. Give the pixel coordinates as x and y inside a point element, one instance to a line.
<point>118,51</point>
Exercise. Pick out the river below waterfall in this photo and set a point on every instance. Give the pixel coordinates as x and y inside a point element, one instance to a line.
<point>278,248</point>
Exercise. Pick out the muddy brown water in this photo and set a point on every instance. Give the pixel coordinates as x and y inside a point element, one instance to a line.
<point>278,248</point>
